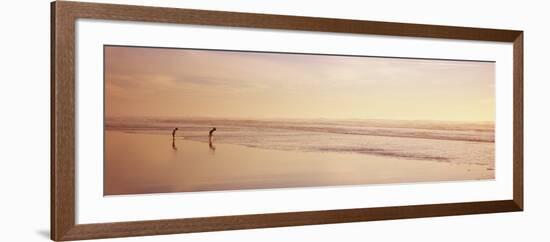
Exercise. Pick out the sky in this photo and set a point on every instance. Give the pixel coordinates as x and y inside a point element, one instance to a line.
<point>162,82</point>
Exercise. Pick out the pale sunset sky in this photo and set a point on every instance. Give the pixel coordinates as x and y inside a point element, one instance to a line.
<point>155,82</point>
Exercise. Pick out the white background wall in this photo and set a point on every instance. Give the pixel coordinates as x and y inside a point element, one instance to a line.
<point>24,120</point>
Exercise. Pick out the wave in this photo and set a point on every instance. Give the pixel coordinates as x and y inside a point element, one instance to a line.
<point>464,142</point>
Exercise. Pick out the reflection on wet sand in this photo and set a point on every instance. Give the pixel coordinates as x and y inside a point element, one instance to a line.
<point>174,147</point>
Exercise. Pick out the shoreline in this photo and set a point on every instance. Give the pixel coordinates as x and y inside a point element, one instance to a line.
<point>147,163</point>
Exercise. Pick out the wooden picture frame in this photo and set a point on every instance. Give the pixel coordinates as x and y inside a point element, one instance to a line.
<point>63,17</point>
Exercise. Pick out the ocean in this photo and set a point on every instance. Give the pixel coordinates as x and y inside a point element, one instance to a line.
<point>452,142</point>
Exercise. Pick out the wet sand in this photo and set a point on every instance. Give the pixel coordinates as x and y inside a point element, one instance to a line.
<point>148,163</point>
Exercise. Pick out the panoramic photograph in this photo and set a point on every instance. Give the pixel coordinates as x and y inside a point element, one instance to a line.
<point>194,120</point>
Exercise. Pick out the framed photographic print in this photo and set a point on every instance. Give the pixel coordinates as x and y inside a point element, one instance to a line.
<point>172,120</point>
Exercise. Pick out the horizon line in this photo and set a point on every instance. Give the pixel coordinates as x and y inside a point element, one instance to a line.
<point>295,118</point>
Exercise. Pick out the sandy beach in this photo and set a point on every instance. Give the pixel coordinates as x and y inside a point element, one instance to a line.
<point>137,163</point>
